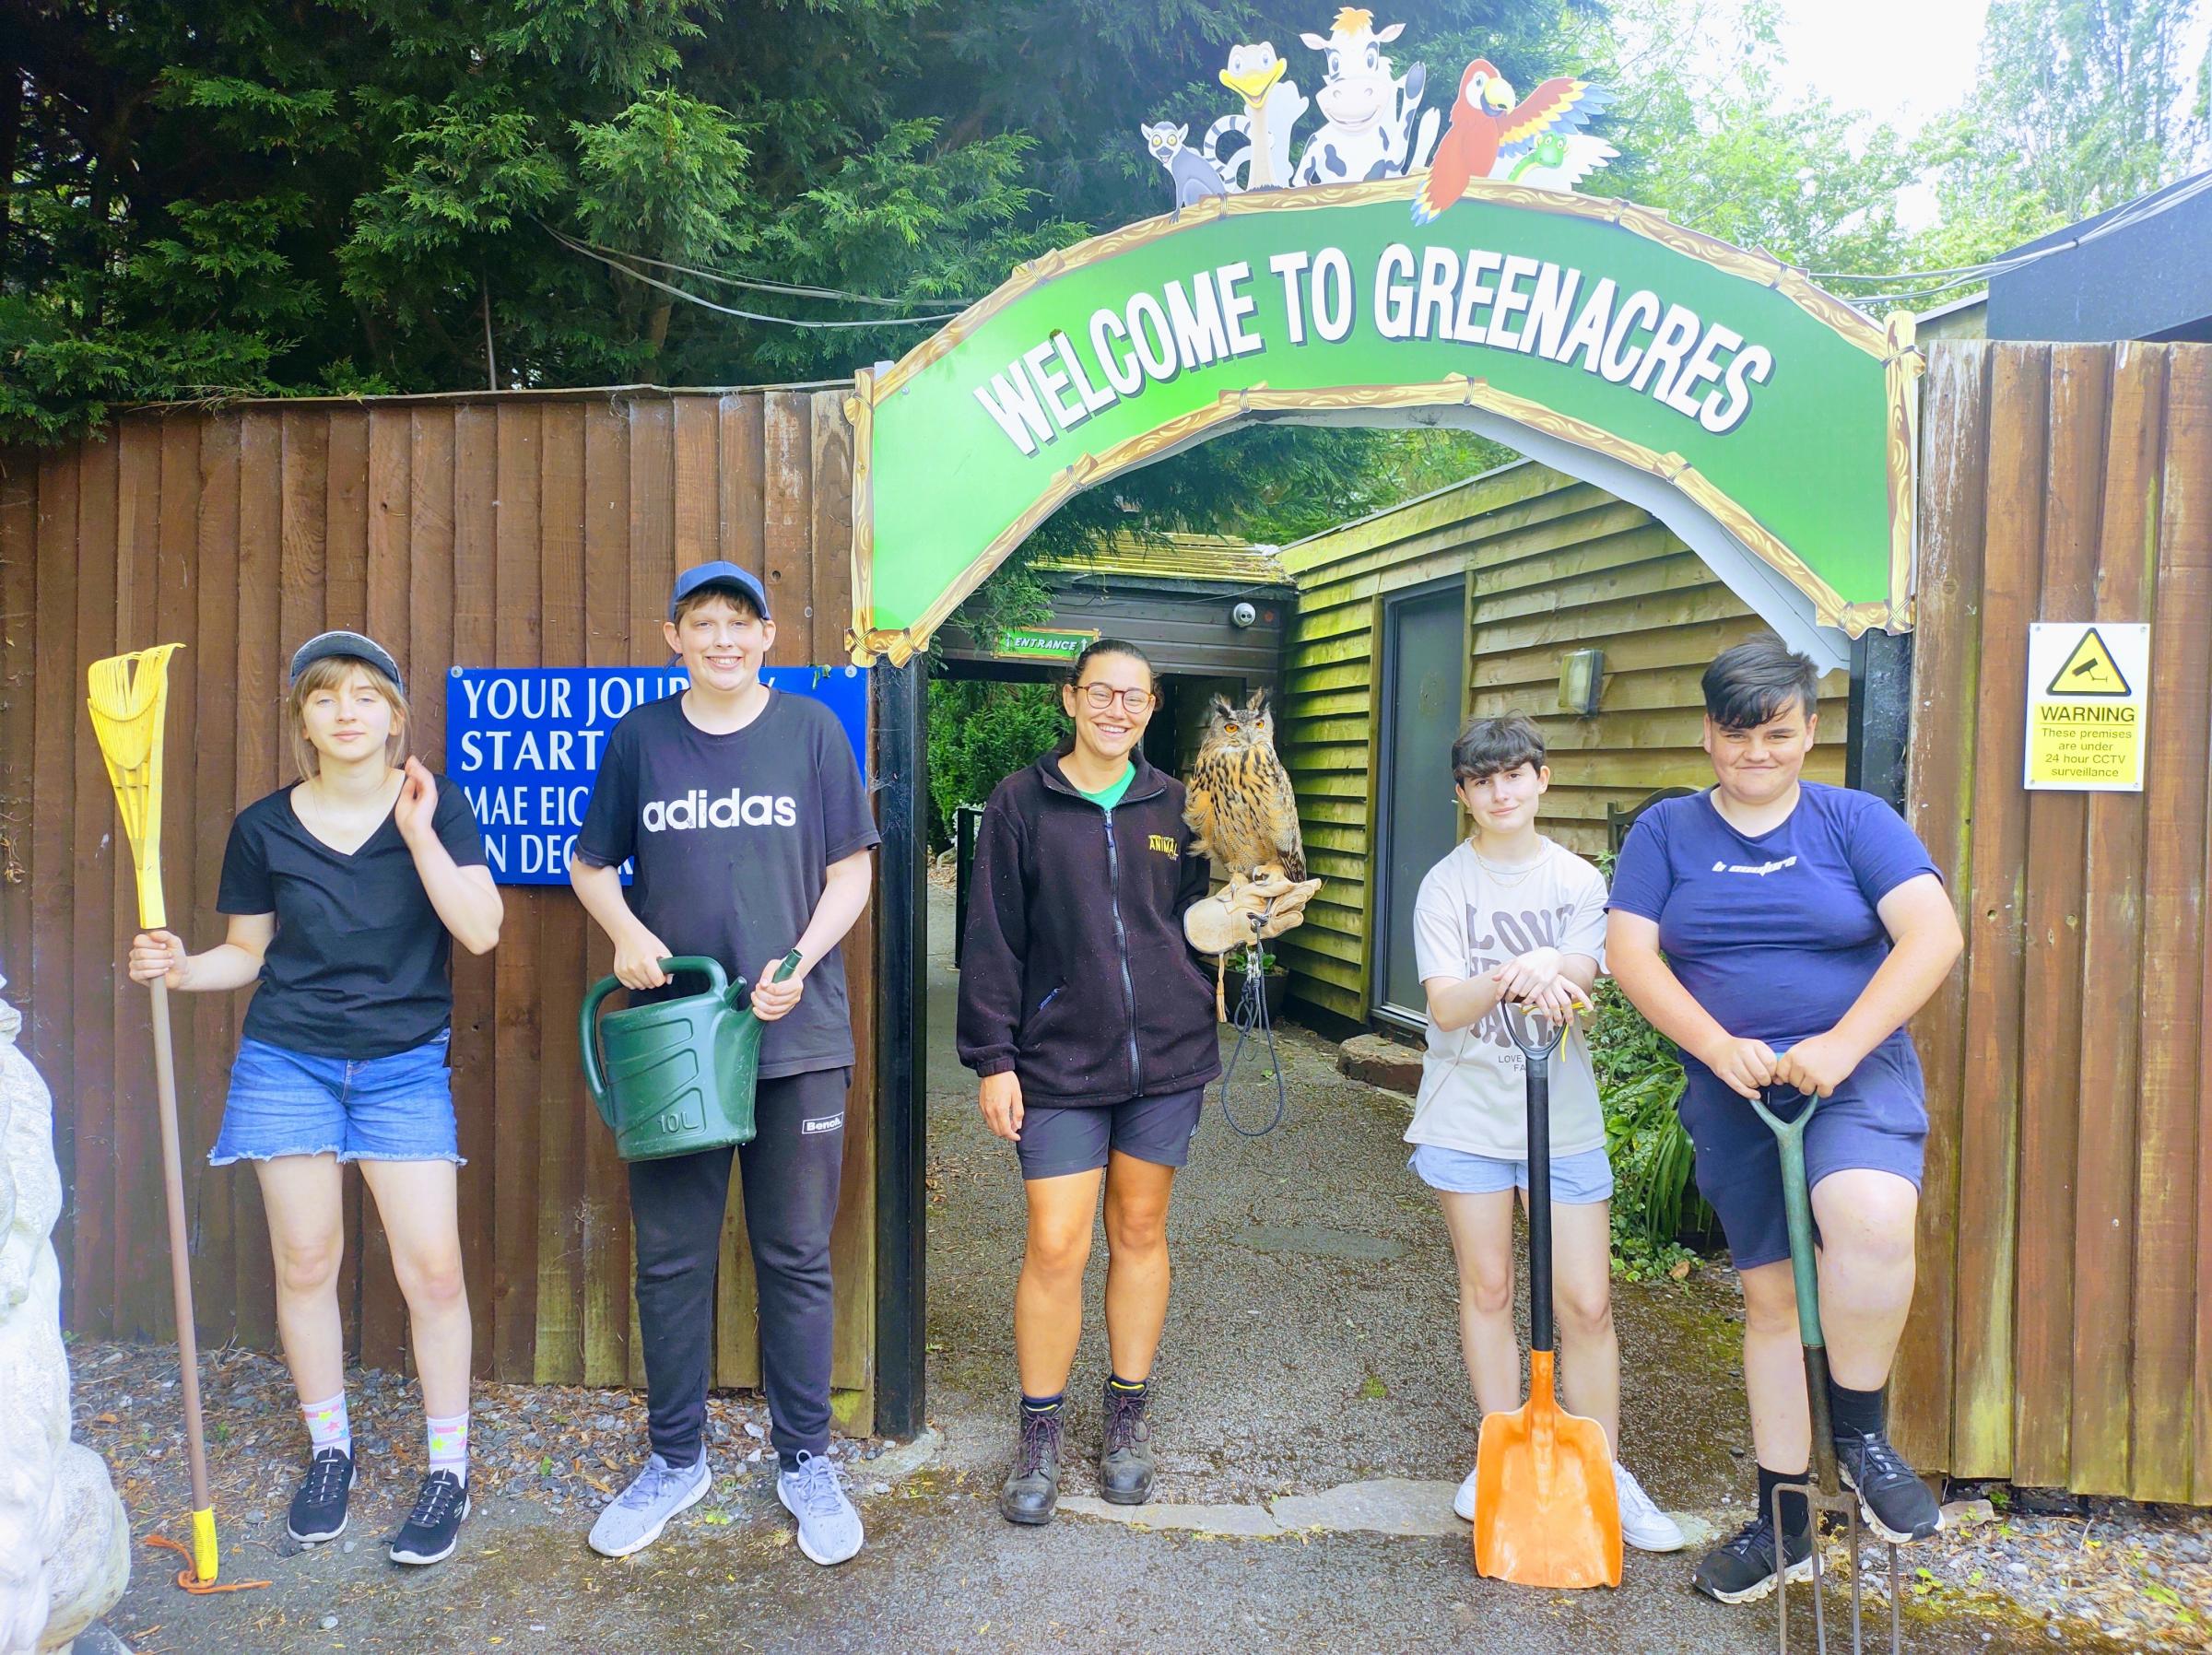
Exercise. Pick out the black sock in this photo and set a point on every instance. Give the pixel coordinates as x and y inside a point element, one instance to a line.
<point>1797,1517</point>
<point>1864,1412</point>
<point>1042,1404</point>
<point>1128,1389</point>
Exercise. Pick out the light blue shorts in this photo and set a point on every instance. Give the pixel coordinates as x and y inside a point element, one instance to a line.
<point>1577,1181</point>
<point>381,1109</point>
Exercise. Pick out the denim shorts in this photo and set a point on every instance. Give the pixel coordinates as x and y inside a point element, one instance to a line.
<point>1577,1181</point>
<point>381,1109</point>
<point>1056,1140</point>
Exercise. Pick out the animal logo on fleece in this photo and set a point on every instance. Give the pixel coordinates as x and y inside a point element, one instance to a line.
<point>1373,126</point>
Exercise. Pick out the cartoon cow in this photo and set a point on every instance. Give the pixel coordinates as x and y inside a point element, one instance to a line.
<point>1370,114</point>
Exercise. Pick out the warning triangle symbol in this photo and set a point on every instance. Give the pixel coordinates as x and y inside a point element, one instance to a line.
<point>2090,671</point>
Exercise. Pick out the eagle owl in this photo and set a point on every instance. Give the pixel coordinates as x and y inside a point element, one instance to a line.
<point>1240,803</point>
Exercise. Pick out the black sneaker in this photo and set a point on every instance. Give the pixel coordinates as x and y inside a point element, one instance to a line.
<point>1741,1570</point>
<point>433,1528</point>
<point>1894,1503</point>
<point>1032,1489</point>
<point>1126,1463</point>
<point>319,1508</point>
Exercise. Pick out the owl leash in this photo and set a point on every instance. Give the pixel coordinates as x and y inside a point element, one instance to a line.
<point>1252,1015</point>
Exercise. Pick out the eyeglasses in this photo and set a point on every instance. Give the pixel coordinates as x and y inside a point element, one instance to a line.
<point>1102,696</point>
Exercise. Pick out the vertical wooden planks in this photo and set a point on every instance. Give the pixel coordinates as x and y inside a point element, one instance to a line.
<point>698,490</point>
<point>475,483</point>
<point>19,640</point>
<point>1988,1137</point>
<point>262,762</point>
<point>2162,1454</point>
<point>519,627</point>
<point>346,518</point>
<point>2051,1087</point>
<point>214,745</point>
<point>740,521</point>
<point>557,1354</point>
<point>609,641</point>
<point>788,527</point>
<point>2111,944</point>
<point>1955,436</point>
<point>50,1016</point>
<point>97,1191</point>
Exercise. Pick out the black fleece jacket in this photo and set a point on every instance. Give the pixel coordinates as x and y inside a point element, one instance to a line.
<point>1074,971</point>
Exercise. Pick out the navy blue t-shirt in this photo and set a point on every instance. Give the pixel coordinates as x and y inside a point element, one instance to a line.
<point>1775,935</point>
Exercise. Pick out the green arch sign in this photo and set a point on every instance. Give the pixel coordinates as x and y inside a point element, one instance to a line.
<point>1766,421</point>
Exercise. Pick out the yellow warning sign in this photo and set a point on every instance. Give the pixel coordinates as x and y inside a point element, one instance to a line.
<point>2090,670</point>
<point>2085,722</point>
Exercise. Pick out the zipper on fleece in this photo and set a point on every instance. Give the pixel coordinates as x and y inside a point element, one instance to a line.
<point>1121,937</point>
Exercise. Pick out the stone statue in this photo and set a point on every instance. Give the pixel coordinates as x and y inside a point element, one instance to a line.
<point>65,1543</point>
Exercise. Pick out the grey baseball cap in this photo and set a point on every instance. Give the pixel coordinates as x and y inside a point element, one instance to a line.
<point>351,646</point>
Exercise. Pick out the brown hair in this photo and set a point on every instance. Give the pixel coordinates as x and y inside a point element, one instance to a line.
<point>328,674</point>
<point>729,591</point>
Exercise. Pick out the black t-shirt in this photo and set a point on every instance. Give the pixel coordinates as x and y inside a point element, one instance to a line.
<point>733,836</point>
<point>357,968</point>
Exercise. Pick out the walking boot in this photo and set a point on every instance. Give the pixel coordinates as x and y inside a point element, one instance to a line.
<point>1126,1463</point>
<point>1032,1489</point>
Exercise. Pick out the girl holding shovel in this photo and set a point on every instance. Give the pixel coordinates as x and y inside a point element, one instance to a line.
<point>1802,926</point>
<point>344,893</point>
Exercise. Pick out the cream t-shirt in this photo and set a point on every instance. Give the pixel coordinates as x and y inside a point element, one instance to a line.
<point>1465,921</point>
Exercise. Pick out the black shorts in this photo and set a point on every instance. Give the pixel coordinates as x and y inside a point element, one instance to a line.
<point>1057,1140</point>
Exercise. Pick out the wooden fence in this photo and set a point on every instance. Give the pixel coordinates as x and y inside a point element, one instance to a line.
<point>516,529</point>
<point>2062,1333</point>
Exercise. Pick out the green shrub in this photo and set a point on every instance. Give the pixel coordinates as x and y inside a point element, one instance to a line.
<point>979,735</point>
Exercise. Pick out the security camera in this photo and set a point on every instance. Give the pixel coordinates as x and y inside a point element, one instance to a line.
<point>1243,614</point>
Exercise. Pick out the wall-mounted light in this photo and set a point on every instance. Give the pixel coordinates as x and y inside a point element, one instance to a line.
<point>1581,680</point>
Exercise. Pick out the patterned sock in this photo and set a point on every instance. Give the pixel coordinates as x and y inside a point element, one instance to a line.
<point>1864,1412</point>
<point>1135,1391</point>
<point>1042,1404</point>
<point>328,1426</point>
<point>448,1445</point>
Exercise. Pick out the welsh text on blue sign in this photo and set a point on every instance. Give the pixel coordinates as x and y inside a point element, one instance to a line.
<point>524,744</point>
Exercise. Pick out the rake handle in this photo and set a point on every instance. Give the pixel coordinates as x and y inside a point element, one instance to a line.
<point>180,1260</point>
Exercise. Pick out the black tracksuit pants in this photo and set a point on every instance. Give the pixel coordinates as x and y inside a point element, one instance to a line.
<point>790,1177</point>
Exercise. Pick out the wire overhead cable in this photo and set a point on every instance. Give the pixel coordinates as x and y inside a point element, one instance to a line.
<point>627,263</point>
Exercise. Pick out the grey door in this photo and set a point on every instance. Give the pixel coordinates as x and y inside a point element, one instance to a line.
<point>1423,681</point>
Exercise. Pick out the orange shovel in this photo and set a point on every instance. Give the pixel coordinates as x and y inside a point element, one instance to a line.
<point>1546,1513</point>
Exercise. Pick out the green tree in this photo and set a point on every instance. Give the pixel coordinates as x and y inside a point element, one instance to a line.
<point>2079,106</point>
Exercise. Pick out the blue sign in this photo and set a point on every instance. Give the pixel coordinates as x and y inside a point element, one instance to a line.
<point>524,742</point>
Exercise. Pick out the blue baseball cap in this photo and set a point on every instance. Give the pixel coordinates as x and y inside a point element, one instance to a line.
<point>719,574</point>
<point>350,645</point>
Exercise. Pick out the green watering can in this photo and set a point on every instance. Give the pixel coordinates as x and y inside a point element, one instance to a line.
<point>677,1076</point>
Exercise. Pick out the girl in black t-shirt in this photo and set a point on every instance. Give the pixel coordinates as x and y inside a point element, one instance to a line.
<point>345,891</point>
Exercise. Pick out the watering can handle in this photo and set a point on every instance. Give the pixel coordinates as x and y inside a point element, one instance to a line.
<point>588,1022</point>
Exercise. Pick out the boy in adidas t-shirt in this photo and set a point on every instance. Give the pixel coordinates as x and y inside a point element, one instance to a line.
<point>749,828</point>
<point>1509,916</point>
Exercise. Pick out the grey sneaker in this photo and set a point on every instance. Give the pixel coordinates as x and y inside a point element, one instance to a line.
<point>829,1529</point>
<point>641,1511</point>
<point>1126,1463</point>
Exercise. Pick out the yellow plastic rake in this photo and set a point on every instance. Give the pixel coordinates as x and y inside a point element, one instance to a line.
<point>129,701</point>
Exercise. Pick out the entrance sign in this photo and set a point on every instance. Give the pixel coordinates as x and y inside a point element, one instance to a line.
<point>2088,706</point>
<point>524,744</point>
<point>1781,417</point>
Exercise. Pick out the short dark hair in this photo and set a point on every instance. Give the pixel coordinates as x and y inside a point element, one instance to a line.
<point>729,591</point>
<point>1488,746</point>
<point>1754,684</point>
<point>1110,646</point>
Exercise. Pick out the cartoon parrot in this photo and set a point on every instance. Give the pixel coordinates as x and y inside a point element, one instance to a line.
<point>1486,126</point>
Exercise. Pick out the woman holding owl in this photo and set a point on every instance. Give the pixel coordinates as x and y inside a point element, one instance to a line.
<point>1092,1029</point>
